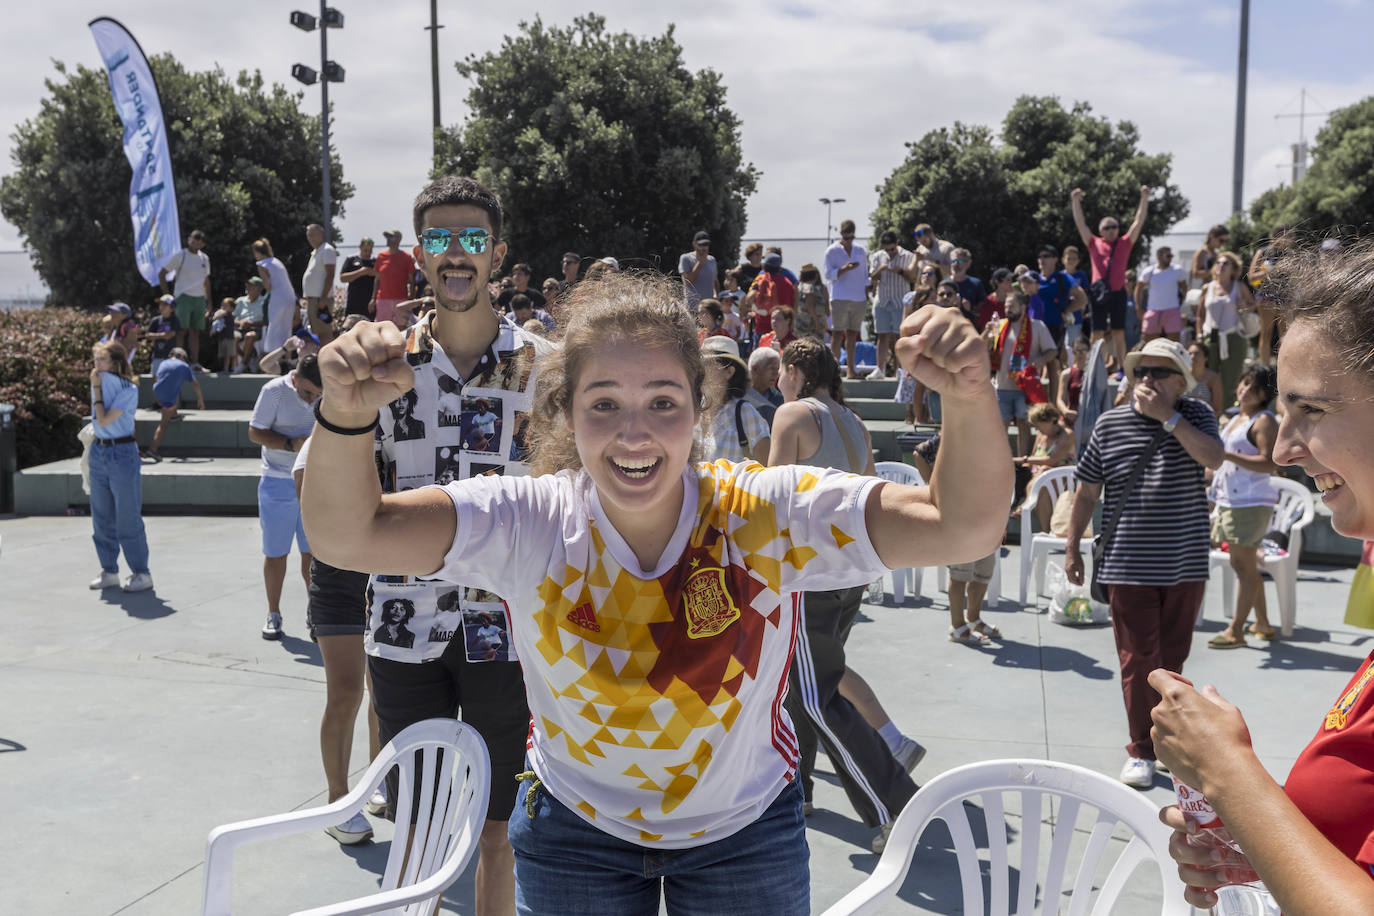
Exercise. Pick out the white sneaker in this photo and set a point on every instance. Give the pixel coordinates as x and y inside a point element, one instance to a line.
<point>880,841</point>
<point>139,582</point>
<point>272,628</point>
<point>1138,773</point>
<point>105,580</point>
<point>876,374</point>
<point>352,831</point>
<point>909,753</point>
<point>377,803</point>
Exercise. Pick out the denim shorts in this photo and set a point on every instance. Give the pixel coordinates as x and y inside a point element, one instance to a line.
<point>887,317</point>
<point>280,514</point>
<point>1012,402</point>
<point>565,865</point>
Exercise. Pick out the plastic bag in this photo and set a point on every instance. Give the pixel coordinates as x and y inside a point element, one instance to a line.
<point>1071,605</point>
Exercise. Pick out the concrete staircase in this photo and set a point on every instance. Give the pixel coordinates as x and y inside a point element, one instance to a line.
<point>209,466</point>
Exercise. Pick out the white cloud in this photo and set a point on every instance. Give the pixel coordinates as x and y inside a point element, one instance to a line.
<point>827,94</point>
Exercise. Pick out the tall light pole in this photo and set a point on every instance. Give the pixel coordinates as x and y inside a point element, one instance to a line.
<point>829,202</point>
<point>433,29</point>
<point>329,72</point>
<point>1238,167</point>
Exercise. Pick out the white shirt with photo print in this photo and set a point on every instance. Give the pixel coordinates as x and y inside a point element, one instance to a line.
<point>433,435</point>
<point>656,695</point>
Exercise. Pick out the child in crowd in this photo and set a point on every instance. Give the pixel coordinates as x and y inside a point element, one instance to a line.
<point>710,320</point>
<point>162,330</point>
<point>222,333</point>
<point>172,373</point>
<point>668,588</point>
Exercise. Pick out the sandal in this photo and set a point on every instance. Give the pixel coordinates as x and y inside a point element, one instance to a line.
<point>1270,633</point>
<point>985,629</point>
<point>968,636</point>
<point>1222,641</point>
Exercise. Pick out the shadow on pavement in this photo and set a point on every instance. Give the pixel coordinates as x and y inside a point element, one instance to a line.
<point>143,605</point>
<point>458,897</point>
<point>1014,654</point>
<point>7,746</point>
<point>1286,656</point>
<point>305,650</point>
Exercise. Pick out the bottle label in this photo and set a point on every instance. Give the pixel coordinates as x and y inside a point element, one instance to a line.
<point>1194,804</point>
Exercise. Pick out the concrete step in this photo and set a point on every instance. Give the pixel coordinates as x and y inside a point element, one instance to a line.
<point>876,408</point>
<point>182,486</point>
<point>864,388</point>
<point>234,392</point>
<point>218,433</point>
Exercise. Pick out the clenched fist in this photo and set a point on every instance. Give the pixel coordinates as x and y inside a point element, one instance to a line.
<point>363,371</point>
<point>944,352</point>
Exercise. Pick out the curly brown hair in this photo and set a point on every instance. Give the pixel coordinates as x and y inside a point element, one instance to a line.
<point>1333,290</point>
<point>628,311</point>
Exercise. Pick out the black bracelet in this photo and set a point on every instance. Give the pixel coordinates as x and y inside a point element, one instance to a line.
<point>344,430</point>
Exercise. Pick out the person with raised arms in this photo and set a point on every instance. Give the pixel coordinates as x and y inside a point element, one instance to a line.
<point>653,600</point>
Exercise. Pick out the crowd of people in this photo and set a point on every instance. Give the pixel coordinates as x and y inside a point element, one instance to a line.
<point>679,435</point>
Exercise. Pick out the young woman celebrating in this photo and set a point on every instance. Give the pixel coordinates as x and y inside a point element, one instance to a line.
<point>653,600</point>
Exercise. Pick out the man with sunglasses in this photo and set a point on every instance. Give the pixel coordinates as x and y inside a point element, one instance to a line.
<point>698,270</point>
<point>461,347</point>
<point>848,282</point>
<point>931,248</point>
<point>571,262</point>
<point>1110,254</point>
<point>1155,563</point>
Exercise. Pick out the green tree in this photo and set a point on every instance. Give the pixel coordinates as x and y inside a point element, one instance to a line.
<point>601,143</point>
<point>1003,196</point>
<point>245,159</point>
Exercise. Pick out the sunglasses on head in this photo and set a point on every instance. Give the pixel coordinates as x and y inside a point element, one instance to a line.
<point>473,240</point>
<point>1154,372</point>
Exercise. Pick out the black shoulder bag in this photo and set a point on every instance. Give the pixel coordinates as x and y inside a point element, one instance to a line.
<point>1096,588</point>
<point>1101,288</point>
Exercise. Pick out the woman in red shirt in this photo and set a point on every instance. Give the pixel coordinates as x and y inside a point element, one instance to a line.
<point>782,334</point>
<point>1312,840</point>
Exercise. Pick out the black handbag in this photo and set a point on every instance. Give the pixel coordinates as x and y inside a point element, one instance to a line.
<point>1100,289</point>
<point>1096,588</point>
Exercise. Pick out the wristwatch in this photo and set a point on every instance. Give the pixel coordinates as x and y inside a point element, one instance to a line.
<point>1170,423</point>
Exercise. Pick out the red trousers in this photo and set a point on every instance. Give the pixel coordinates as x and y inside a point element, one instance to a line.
<point>1153,625</point>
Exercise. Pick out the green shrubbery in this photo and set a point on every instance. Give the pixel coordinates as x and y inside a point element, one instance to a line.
<point>45,368</point>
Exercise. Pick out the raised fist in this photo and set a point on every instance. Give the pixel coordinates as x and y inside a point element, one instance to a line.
<point>943,351</point>
<point>363,371</point>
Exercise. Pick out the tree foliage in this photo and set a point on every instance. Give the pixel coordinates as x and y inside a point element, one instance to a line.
<point>245,158</point>
<point>1334,198</point>
<point>1002,196</point>
<point>601,143</point>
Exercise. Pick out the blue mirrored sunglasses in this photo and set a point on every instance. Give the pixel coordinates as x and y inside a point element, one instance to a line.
<point>473,240</point>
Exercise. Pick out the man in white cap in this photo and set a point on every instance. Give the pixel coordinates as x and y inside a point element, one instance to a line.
<point>1154,564</point>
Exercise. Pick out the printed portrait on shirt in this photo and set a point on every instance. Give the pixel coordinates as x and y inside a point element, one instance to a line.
<point>481,424</point>
<point>450,400</point>
<point>518,444</point>
<point>448,464</point>
<point>486,633</point>
<point>404,425</point>
<point>391,623</point>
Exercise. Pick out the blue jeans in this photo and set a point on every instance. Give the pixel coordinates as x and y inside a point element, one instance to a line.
<point>117,506</point>
<point>565,865</point>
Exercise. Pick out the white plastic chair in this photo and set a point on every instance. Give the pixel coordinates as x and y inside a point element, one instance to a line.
<point>1294,500</point>
<point>903,473</point>
<point>1110,805</point>
<point>1036,547</point>
<point>450,762</point>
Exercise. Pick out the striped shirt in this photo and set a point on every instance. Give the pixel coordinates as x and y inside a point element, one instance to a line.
<point>891,287</point>
<point>1163,535</point>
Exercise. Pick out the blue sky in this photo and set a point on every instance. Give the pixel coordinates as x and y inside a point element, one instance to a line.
<point>828,93</point>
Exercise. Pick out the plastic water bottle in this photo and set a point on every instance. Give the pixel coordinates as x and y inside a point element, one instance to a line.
<point>1213,833</point>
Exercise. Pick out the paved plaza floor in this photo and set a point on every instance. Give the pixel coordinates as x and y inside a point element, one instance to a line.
<point>133,724</point>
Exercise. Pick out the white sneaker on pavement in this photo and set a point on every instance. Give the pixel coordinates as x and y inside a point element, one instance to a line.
<point>909,753</point>
<point>377,803</point>
<point>139,582</point>
<point>354,830</point>
<point>105,580</point>
<point>876,374</point>
<point>1138,773</point>
<point>272,628</point>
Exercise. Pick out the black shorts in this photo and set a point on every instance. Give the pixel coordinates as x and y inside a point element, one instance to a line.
<point>1057,331</point>
<point>489,695</point>
<point>338,601</point>
<point>1109,313</point>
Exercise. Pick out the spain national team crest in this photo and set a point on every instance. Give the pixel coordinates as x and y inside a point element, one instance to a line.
<point>1336,717</point>
<point>710,609</point>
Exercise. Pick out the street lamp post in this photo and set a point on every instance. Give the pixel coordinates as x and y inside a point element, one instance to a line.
<point>829,201</point>
<point>329,72</point>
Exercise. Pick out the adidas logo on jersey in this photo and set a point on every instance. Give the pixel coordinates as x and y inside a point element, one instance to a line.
<point>584,617</point>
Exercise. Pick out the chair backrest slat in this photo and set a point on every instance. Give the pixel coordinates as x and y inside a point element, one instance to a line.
<point>1136,851</point>
<point>1064,823</point>
<point>1031,803</point>
<point>955,816</point>
<point>1087,866</point>
<point>995,815</point>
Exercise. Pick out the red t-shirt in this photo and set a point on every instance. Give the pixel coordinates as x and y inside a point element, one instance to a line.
<point>990,309</point>
<point>1332,782</point>
<point>1099,253</point>
<point>393,274</point>
<point>771,340</point>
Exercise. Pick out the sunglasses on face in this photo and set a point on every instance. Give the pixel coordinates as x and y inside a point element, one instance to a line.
<point>473,240</point>
<point>1154,372</point>
<point>1110,226</point>
<point>956,260</point>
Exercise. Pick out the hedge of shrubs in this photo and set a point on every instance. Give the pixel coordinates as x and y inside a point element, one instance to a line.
<point>45,369</point>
